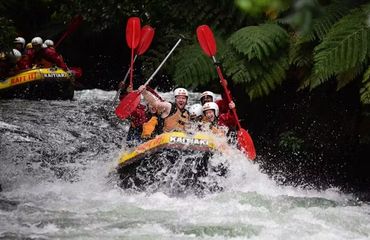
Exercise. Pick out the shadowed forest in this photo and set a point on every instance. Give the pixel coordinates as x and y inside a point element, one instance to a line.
<point>298,70</point>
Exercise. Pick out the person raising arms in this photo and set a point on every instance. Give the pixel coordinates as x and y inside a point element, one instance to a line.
<point>175,116</point>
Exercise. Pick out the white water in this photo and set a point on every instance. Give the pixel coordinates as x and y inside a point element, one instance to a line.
<point>84,202</point>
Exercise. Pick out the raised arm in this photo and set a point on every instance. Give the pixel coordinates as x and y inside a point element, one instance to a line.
<point>162,107</point>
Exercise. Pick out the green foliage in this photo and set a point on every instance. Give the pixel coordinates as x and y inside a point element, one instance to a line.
<point>259,41</point>
<point>101,15</point>
<point>193,68</point>
<point>253,57</point>
<point>290,142</point>
<point>365,89</point>
<point>302,15</point>
<point>274,73</point>
<point>255,7</point>
<point>258,77</point>
<point>300,53</point>
<point>348,76</point>
<point>345,47</point>
<point>256,58</point>
<point>8,34</point>
<point>322,24</point>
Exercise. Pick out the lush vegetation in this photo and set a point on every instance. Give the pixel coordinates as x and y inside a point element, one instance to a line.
<point>259,43</point>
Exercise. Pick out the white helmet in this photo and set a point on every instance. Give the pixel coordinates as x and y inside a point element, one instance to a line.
<point>14,55</point>
<point>44,45</point>
<point>17,53</point>
<point>49,43</point>
<point>196,109</point>
<point>36,41</point>
<point>211,105</point>
<point>207,93</point>
<point>20,40</point>
<point>181,92</point>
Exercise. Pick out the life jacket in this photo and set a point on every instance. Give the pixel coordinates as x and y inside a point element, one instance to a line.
<point>176,120</point>
<point>47,57</point>
<point>215,128</point>
<point>153,127</point>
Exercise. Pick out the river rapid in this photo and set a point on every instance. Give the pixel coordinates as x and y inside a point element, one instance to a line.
<point>57,161</point>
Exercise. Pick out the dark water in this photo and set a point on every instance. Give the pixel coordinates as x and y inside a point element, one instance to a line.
<point>56,164</point>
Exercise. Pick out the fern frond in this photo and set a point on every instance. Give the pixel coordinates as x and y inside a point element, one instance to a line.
<point>365,88</point>
<point>345,46</point>
<point>193,68</point>
<point>332,13</point>
<point>236,67</point>
<point>272,77</point>
<point>300,54</point>
<point>259,42</point>
<point>348,76</point>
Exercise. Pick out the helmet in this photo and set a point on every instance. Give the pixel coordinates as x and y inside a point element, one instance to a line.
<point>196,109</point>
<point>36,41</point>
<point>14,55</point>
<point>49,43</point>
<point>20,40</point>
<point>181,92</point>
<point>207,93</point>
<point>17,53</point>
<point>211,105</point>
<point>44,45</point>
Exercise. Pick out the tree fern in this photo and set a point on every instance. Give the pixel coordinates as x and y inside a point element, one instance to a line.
<point>343,48</point>
<point>272,77</point>
<point>235,67</point>
<point>331,14</point>
<point>300,53</point>
<point>348,76</point>
<point>365,89</point>
<point>193,68</point>
<point>259,41</point>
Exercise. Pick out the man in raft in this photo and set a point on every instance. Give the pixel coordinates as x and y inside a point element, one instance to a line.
<point>175,116</point>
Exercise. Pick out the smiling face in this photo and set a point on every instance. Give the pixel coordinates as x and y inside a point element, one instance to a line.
<point>210,115</point>
<point>181,101</point>
<point>206,99</point>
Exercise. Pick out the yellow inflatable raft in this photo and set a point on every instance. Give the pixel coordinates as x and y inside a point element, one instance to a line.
<point>171,158</point>
<point>41,83</point>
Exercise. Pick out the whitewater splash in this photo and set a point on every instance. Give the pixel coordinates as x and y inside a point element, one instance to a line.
<point>56,159</point>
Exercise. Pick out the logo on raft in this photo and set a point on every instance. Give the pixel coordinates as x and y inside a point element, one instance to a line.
<point>188,141</point>
<point>54,75</point>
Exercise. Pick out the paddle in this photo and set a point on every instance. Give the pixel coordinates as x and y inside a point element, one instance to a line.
<point>208,44</point>
<point>147,34</point>
<point>73,25</point>
<point>129,103</point>
<point>133,30</point>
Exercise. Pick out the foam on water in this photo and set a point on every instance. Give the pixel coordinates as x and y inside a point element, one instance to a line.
<point>40,204</point>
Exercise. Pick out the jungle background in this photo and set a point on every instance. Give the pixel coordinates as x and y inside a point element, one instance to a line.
<point>298,70</point>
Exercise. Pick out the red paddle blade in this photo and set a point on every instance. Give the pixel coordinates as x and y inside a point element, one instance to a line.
<point>77,71</point>
<point>133,32</point>
<point>246,143</point>
<point>128,104</point>
<point>206,40</point>
<point>146,37</point>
